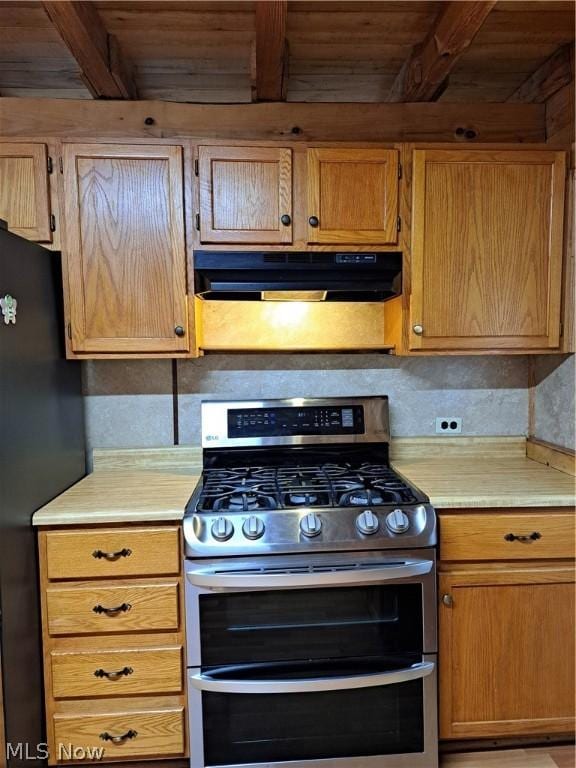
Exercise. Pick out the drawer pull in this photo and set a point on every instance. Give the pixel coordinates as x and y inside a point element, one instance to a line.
<point>527,538</point>
<point>124,608</point>
<point>111,556</point>
<point>131,734</point>
<point>114,675</point>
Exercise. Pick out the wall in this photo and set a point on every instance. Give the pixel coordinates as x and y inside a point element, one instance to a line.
<point>553,400</point>
<point>132,403</point>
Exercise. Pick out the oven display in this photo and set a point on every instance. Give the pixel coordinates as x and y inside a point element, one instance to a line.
<point>308,420</point>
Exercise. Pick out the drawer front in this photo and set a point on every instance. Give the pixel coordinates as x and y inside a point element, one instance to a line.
<point>113,552</point>
<point>117,673</point>
<point>107,610</point>
<point>494,536</point>
<point>136,734</point>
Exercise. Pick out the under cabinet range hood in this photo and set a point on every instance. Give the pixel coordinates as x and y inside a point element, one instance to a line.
<point>296,301</point>
<point>308,276</point>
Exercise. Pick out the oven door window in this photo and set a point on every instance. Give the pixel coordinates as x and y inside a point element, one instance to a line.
<point>365,621</point>
<point>241,728</point>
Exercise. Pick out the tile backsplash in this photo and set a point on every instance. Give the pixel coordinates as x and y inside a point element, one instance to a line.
<point>133,403</point>
<point>554,416</point>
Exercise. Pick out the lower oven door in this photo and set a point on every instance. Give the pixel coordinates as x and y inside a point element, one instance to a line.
<point>357,713</point>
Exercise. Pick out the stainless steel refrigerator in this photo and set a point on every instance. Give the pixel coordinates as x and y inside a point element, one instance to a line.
<point>41,454</point>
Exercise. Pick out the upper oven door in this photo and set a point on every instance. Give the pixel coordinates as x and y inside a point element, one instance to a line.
<point>324,607</point>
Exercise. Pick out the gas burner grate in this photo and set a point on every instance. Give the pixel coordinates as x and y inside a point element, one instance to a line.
<point>237,500</point>
<point>253,488</point>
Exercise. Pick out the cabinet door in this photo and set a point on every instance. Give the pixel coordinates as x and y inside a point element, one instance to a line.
<point>486,249</point>
<point>24,192</point>
<point>506,652</point>
<point>353,196</point>
<point>245,194</point>
<point>124,248</point>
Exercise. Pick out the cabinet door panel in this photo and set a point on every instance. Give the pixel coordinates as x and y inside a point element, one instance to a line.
<point>125,248</point>
<point>24,192</point>
<point>354,195</point>
<point>487,249</point>
<point>244,192</point>
<point>506,659</point>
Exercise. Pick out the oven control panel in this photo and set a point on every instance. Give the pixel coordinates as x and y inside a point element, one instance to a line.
<point>288,421</point>
<point>367,524</point>
<point>241,532</point>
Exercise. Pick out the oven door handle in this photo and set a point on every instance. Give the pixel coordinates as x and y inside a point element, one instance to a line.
<point>313,685</point>
<point>208,579</point>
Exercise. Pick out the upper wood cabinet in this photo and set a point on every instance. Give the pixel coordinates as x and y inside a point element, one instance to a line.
<point>24,190</point>
<point>486,249</point>
<point>506,651</point>
<point>124,248</point>
<point>245,194</point>
<point>353,196</point>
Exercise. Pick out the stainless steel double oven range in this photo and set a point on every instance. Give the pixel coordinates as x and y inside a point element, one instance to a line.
<point>311,597</point>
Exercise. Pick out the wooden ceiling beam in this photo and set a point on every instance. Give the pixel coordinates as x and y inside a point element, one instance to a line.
<point>83,118</point>
<point>423,74</point>
<point>560,116</point>
<point>104,71</point>
<point>550,77</point>
<point>270,52</point>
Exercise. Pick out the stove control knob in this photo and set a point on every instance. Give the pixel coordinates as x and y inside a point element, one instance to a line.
<point>367,522</point>
<point>253,527</point>
<point>397,521</point>
<point>310,525</point>
<point>222,529</point>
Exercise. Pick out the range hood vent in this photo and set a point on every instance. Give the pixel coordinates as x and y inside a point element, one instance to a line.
<point>298,258</point>
<point>355,276</point>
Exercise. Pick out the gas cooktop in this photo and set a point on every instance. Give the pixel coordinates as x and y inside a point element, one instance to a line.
<point>301,484</point>
<point>292,475</point>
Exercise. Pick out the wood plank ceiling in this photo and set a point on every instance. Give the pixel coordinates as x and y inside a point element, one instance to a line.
<point>236,52</point>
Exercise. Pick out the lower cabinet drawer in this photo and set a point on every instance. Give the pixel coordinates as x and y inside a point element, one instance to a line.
<point>506,536</point>
<point>120,735</point>
<point>107,609</point>
<point>137,671</point>
<point>112,552</point>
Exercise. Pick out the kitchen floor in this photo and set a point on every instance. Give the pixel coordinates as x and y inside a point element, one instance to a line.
<point>549,757</point>
<point>537,757</point>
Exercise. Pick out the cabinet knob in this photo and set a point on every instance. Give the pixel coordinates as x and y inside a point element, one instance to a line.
<point>285,219</point>
<point>179,331</point>
<point>447,600</point>
<point>418,330</point>
<point>313,221</point>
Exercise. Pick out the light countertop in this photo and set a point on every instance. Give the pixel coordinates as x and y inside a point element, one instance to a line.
<point>120,496</point>
<point>488,483</point>
<point>155,485</point>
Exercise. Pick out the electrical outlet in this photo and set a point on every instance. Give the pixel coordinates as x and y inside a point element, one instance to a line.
<point>448,425</point>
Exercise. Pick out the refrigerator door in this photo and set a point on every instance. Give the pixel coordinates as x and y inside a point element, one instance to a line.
<point>41,454</point>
